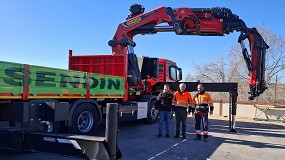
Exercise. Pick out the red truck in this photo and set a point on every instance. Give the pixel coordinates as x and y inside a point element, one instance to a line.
<point>74,100</point>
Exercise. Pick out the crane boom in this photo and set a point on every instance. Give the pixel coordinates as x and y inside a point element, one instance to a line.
<point>217,21</point>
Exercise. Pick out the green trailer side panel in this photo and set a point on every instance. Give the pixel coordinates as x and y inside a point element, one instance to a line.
<point>109,84</point>
<point>52,81</point>
<point>56,81</point>
<point>11,78</point>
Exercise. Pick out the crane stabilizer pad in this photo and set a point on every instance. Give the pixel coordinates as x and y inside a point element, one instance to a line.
<point>67,144</point>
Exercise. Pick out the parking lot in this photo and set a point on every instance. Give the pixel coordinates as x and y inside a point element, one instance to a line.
<point>254,140</point>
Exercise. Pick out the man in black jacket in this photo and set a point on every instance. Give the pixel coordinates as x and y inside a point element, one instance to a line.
<point>163,106</point>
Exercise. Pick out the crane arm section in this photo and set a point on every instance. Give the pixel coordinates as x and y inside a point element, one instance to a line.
<point>195,21</point>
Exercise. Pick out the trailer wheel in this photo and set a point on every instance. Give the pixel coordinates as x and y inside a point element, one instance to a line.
<point>152,117</point>
<point>85,119</point>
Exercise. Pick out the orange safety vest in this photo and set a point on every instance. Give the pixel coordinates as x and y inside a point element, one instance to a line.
<point>182,100</point>
<point>204,98</point>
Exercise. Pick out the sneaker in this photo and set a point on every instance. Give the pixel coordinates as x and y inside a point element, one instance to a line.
<point>167,135</point>
<point>205,140</point>
<point>176,136</point>
<point>184,137</point>
<point>159,135</point>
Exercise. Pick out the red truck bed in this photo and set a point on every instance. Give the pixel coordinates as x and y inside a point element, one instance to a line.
<point>103,64</point>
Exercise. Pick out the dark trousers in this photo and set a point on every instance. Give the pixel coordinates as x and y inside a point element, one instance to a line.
<point>198,120</point>
<point>181,116</point>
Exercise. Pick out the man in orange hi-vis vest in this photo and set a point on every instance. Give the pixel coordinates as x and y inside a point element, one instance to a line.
<point>202,101</point>
<point>182,101</point>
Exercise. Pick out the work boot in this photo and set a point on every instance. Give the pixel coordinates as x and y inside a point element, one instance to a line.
<point>159,135</point>
<point>176,136</point>
<point>206,138</point>
<point>198,137</point>
<point>167,135</point>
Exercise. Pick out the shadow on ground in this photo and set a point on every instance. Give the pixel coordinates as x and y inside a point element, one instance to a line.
<point>139,141</point>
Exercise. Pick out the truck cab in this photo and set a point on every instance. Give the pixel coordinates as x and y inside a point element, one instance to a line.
<point>159,69</point>
<point>168,71</point>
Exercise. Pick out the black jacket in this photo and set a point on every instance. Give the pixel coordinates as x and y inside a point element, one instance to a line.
<point>164,101</point>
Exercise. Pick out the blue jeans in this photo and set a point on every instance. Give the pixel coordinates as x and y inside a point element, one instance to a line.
<point>164,116</point>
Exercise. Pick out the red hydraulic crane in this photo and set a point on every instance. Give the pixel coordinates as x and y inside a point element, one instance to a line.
<point>194,21</point>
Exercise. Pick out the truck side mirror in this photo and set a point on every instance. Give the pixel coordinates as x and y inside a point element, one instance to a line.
<point>179,74</point>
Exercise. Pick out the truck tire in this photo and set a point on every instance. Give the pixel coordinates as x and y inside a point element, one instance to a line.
<point>85,119</point>
<point>151,116</point>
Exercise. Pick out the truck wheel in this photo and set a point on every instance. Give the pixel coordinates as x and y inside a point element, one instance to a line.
<point>152,117</point>
<point>85,119</point>
<point>47,126</point>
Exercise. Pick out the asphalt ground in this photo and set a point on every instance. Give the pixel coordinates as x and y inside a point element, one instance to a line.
<point>138,141</point>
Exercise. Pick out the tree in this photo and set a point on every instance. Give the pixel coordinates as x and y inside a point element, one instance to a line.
<point>215,71</point>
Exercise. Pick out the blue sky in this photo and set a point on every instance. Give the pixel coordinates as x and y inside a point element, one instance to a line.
<point>40,32</point>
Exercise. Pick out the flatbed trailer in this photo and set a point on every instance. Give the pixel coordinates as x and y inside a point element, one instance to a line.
<point>71,101</point>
